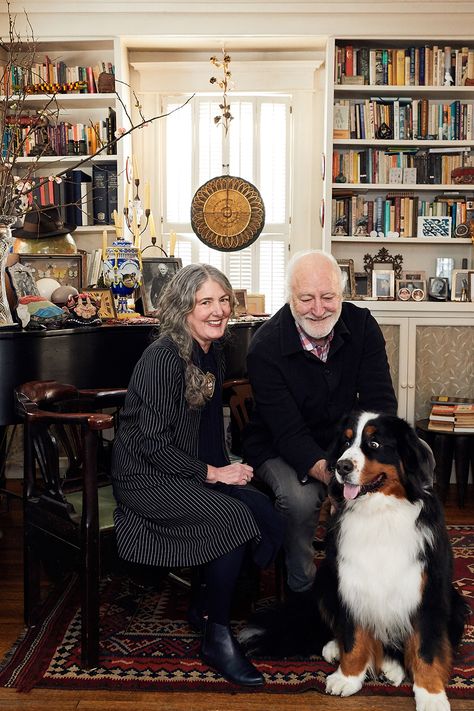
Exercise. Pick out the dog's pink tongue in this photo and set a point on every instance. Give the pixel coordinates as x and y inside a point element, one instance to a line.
<point>351,491</point>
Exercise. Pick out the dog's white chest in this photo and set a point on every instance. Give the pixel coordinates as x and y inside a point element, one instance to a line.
<point>380,571</point>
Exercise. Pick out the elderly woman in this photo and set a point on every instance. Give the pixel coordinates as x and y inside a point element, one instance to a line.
<point>180,501</point>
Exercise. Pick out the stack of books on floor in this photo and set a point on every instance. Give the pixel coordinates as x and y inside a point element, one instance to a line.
<point>451,414</point>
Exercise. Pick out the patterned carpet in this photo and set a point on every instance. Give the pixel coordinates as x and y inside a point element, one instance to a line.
<point>147,645</point>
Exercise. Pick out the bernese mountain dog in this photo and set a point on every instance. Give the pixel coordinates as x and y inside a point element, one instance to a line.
<point>385,587</point>
<point>383,595</point>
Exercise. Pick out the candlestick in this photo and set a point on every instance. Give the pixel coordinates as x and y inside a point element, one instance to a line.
<point>172,243</point>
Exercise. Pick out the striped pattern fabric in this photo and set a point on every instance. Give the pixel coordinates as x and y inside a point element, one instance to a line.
<point>166,514</point>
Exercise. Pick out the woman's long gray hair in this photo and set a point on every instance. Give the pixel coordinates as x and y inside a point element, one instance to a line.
<point>176,302</point>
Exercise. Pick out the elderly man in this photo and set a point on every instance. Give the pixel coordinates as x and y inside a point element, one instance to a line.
<point>315,359</point>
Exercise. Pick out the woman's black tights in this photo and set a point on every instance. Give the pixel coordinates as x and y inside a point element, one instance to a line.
<point>220,577</point>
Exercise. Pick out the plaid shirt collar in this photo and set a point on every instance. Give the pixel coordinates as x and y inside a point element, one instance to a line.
<point>310,344</point>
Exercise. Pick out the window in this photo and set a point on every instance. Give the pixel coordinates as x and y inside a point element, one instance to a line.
<point>256,149</point>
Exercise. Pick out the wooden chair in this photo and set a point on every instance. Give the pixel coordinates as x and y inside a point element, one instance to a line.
<point>68,499</point>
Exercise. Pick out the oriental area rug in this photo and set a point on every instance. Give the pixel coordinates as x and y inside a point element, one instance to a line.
<point>146,643</point>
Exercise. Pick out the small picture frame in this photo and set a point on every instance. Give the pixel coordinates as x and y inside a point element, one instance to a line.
<point>256,304</point>
<point>157,272</point>
<point>22,280</point>
<point>383,284</point>
<point>438,288</point>
<point>471,285</point>
<point>363,285</point>
<point>444,267</point>
<point>413,276</point>
<point>107,304</point>
<point>67,269</point>
<point>411,289</point>
<point>241,308</point>
<point>459,284</point>
<point>348,278</point>
<point>431,227</point>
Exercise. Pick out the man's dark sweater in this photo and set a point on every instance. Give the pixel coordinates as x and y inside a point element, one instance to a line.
<point>299,399</point>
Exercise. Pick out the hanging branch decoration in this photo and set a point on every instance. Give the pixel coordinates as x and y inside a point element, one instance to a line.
<point>226,85</point>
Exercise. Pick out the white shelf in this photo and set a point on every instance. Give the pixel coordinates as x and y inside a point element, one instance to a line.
<point>453,241</point>
<point>404,143</point>
<point>408,187</point>
<point>65,160</point>
<point>392,90</point>
<point>75,101</point>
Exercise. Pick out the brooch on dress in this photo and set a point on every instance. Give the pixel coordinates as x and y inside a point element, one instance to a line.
<point>209,384</point>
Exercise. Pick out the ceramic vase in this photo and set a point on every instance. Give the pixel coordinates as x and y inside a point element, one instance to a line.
<point>6,241</point>
<point>122,271</point>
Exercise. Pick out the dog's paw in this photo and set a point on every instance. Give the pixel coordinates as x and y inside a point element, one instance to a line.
<point>430,702</point>
<point>338,684</point>
<point>392,671</point>
<point>331,653</point>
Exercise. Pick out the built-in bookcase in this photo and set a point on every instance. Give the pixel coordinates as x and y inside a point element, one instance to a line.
<point>400,120</point>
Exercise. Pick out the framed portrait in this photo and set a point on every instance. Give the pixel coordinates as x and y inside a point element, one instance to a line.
<point>157,273</point>
<point>256,304</point>
<point>383,283</point>
<point>432,227</point>
<point>348,278</point>
<point>459,284</point>
<point>444,267</point>
<point>107,303</point>
<point>363,284</point>
<point>22,280</point>
<point>67,269</point>
<point>471,285</point>
<point>438,288</point>
<point>411,289</point>
<point>242,306</point>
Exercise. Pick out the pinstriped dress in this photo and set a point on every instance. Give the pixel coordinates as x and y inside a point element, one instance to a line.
<point>166,515</point>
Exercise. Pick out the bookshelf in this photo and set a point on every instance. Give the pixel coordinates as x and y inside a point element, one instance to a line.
<point>75,113</point>
<point>394,133</point>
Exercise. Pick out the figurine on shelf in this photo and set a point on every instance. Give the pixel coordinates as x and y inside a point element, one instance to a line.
<point>82,310</point>
<point>38,313</point>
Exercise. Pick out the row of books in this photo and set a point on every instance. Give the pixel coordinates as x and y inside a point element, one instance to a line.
<point>354,215</point>
<point>374,165</point>
<point>83,198</point>
<point>430,65</point>
<point>407,119</point>
<point>54,73</point>
<point>32,138</point>
<point>452,414</point>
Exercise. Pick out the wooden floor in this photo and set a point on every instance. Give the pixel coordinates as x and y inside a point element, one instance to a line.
<point>44,700</point>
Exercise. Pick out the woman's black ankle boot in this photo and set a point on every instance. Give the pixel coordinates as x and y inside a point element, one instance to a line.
<point>221,651</point>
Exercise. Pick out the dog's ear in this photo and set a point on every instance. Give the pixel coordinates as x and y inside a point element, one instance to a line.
<point>416,457</point>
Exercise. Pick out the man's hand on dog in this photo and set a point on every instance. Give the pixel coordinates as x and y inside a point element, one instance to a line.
<point>320,471</point>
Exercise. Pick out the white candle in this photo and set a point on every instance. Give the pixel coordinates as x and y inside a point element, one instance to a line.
<point>147,196</point>
<point>172,243</point>
<point>151,223</point>
<point>135,168</point>
<point>104,244</point>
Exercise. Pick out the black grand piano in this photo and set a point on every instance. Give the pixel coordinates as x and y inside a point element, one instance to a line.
<point>91,357</point>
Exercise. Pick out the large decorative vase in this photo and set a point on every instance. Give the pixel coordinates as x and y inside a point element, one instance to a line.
<point>6,241</point>
<point>122,272</point>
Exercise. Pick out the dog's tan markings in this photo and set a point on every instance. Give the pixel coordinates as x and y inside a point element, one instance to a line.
<point>432,677</point>
<point>364,651</point>
<point>391,486</point>
<point>349,433</point>
<point>369,430</point>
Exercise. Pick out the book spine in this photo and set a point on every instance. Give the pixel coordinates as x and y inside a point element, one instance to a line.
<point>99,195</point>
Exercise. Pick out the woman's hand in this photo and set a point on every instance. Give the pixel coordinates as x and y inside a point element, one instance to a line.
<point>237,474</point>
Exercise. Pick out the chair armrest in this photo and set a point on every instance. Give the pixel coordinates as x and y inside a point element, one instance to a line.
<point>31,413</point>
<point>104,397</point>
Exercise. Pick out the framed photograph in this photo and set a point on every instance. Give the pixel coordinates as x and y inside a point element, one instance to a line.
<point>363,285</point>
<point>438,288</point>
<point>471,285</point>
<point>383,283</point>
<point>348,278</point>
<point>107,303</point>
<point>157,272</point>
<point>256,304</point>
<point>67,269</point>
<point>444,267</point>
<point>459,284</point>
<point>242,307</point>
<point>413,276</point>
<point>431,226</point>
<point>22,280</point>
<point>414,289</point>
